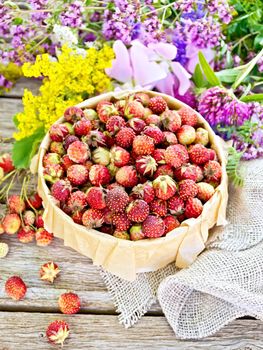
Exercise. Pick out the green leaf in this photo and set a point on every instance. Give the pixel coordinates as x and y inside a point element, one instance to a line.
<point>234,171</point>
<point>26,148</point>
<point>198,78</point>
<point>17,21</point>
<point>258,41</point>
<point>208,71</point>
<point>246,69</point>
<point>254,97</point>
<point>227,75</point>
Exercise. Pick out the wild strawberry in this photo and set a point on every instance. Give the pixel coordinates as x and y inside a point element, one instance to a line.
<point>212,154</point>
<point>134,109</point>
<point>153,119</point>
<point>90,114</point>
<point>82,127</point>
<point>171,120</point>
<point>117,199</point>
<point>188,116</point>
<point>143,145</point>
<point>58,132</point>
<point>78,152</point>
<point>125,137</point>
<point>153,227</point>
<point>120,105</point>
<point>121,234</point>
<point>43,237</point>
<point>155,133</point>
<point>4,249</point>
<point>77,217</point>
<point>169,138</point>
<point>121,221</point>
<point>11,223</point>
<point>164,187</point>
<point>143,98</point>
<point>61,190</point>
<point>193,208</point>
<point>188,171</point>
<point>176,205</point>
<point>137,210</point>
<point>53,172</point>
<point>158,207</point>
<point>49,271</point>
<point>136,233</point>
<point>186,135</point>
<point>127,176</point>
<point>101,156</point>
<point>212,171</point>
<point>77,201</point>
<point>69,303</point>
<point>39,222</point>
<point>15,288</point>
<point>107,216</point>
<point>51,158</point>
<point>157,104</point>
<point>164,169</point>
<point>95,138</point>
<point>105,110</point>
<point>187,189</point>
<point>99,175</point>
<point>92,218</point>
<point>34,201</point>
<point>147,112</point>
<point>112,169</point>
<point>78,174</point>
<point>26,234</point>
<point>170,223</point>
<point>119,156</point>
<point>146,165</point>
<point>176,155</point>
<point>16,204</point>
<point>144,191</point>
<point>115,123</point>
<point>202,136</point>
<point>158,155</point>
<point>96,197</point>
<point>6,162</point>
<point>137,125</point>
<point>57,147</point>
<point>73,114</point>
<point>205,191</point>
<point>57,332</point>
<point>109,139</point>
<point>198,154</point>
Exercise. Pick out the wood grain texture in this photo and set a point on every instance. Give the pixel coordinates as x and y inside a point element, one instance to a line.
<point>104,332</point>
<point>8,108</point>
<point>18,90</point>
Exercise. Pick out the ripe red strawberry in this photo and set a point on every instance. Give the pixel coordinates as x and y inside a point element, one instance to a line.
<point>34,201</point>
<point>193,208</point>
<point>186,135</point>
<point>82,127</point>
<point>137,125</point>
<point>16,204</point>
<point>58,132</point>
<point>146,165</point>
<point>158,155</point>
<point>73,114</point>
<point>152,119</point>
<point>39,222</point>
<point>11,223</point>
<point>176,205</point>
<point>105,110</point>
<point>15,288</point>
<point>164,169</point>
<point>188,116</point>
<point>212,154</point>
<point>164,187</point>
<point>78,174</point>
<point>95,138</point>
<point>51,158</point>
<point>144,191</point>
<point>77,216</point>
<point>92,218</point>
<point>143,98</point>
<point>115,123</point>
<point>155,133</point>
<point>121,221</point>
<point>157,104</point>
<point>69,303</point>
<point>170,223</point>
<point>53,172</point>
<point>99,175</point>
<point>61,190</point>
<point>109,139</point>
<point>43,237</point>
<point>202,136</point>
<point>78,152</point>
<point>158,207</point>
<point>137,210</point>
<point>171,120</point>
<point>169,138</point>
<point>121,234</point>
<point>117,199</point>
<point>29,217</point>
<point>176,155</point>
<point>212,171</point>
<point>119,156</point>
<point>127,176</point>
<point>205,191</point>
<point>49,271</point>
<point>69,140</point>
<point>136,233</point>
<point>187,189</point>
<point>57,147</point>
<point>77,201</point>
<point>134,109</point>
<point>57,332</point>
<point>198,154</point>
<point>143,145</point>
<point>153,227</point>
<point>107,216</point>
<point>26,234</point>
<point>125,137</point>
<point>96,197</point>
<point>66,162</point>
<point>101,156</point>
<point>6,163</point>
<point>188,171</point>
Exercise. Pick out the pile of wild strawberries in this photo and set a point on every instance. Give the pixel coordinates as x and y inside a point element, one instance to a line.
<point>133,168</point>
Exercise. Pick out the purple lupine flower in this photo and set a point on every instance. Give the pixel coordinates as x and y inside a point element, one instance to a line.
<point>39,16</point>
<point>220,8</point>
<point>72,17</point>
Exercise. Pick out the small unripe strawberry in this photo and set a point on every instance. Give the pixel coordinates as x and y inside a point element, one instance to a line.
<point>188,116</point>
<point>205,191</point>
<point>16,204</point>
<point>153,227</point>
<point>57,332</point>
<point>43,237</point>
<point>15,288</point>
<point>101,156</point>
<point>120,105</point>
<point>121,234</point>
<point>186,135</point>
<point>4,249</point>
<point>127,176</point>
<point>99,175</point>
<point>153,119</point>
<point>170,223</point>
<point>29,217</point>
<point>78,152</point>
<point>96,197</point>
<point>201,136</point>
<point>82,127</point>
<point>143,98</point>
<point>57,147</point>
<point>157,104</point>
<point>11,223</point>
<point>136,233</point>
<point>90,114</point>
<point>51,158</point>
<point>193,208</point>
<point>53,172</point>
<point>49,271</point>
<point>69,303</point>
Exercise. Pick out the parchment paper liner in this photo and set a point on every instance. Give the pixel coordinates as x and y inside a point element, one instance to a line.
<point>126,258</point>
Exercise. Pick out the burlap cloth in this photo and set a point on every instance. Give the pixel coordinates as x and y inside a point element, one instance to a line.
<point>225,282</point>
